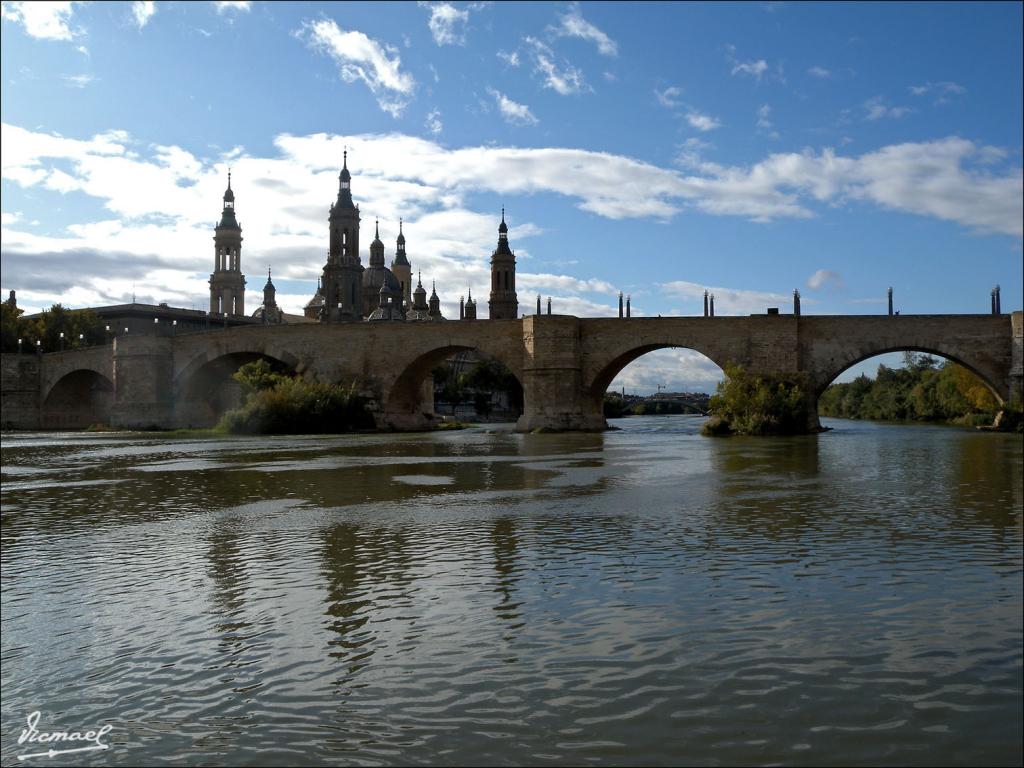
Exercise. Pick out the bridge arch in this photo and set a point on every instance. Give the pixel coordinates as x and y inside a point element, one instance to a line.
<point>985,372</point>
<point>409,401</point>
<point>80,398</point>
<point>618,360</point>
<point>205,389</point>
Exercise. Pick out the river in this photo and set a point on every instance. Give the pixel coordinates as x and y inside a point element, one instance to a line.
<point>642,596</point>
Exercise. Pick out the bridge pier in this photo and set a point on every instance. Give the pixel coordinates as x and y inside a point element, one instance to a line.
<point>143,383</point>
<point>20,387</point>
<point>553,392</point>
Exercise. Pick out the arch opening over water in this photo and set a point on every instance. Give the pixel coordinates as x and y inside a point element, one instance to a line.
<point>910,384</point>
<point>459,382</point>
<point>79,399</point>
<point>206,390</point>
<point>675,377</point>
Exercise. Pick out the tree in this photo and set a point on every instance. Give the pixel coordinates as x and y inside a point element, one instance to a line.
<point>747,404</point>
<point>81,328</point>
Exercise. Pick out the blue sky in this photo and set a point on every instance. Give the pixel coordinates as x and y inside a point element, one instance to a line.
<point>656,149</point>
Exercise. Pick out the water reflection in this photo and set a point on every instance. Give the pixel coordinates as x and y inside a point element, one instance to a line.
<point>642,596</point>
<point>506,569</point>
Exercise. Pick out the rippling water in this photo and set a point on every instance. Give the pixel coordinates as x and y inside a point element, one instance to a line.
<point>645,596</point>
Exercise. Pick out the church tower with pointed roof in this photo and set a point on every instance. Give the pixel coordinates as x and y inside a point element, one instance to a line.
<point>227,283</point>
<point>401,266</point>
<point>269,313</point>
<point>342,275</point>
<point>503,304</point>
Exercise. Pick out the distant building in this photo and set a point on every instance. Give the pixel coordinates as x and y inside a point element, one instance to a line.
<point>346,290</point>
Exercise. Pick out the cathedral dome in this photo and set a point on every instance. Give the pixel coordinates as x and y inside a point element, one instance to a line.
<point>377,277</point>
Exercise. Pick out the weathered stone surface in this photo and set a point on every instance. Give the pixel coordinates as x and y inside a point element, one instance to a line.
<point>19,408</point>
<point>564,363</point>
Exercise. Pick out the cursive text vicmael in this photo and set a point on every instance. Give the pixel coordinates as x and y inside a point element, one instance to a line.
<point>32,734</point>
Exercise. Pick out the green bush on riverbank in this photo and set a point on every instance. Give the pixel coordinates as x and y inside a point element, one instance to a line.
<point>746,404</point>
<point>276,403</point>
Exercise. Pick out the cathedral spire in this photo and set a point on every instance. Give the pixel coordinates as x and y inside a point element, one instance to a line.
<point>345,185</point>
<point>227,283</point>
<point>503,304</point>
<point>377,248</point>
<point>227,218</point>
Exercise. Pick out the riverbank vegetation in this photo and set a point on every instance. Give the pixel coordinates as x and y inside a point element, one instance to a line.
<point>747,404</point>
<point>276,403</point>
<point>925,389</point>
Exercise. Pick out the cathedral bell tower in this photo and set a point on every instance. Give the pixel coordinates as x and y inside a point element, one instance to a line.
<point>503,304</point>
<point>227,283</point>
<point>401,266</point>
<point>342,276</point>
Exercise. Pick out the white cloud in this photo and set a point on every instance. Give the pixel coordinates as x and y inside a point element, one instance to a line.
<point>447,23</point>
<point>78,81</point>
<point>943,92</point>
<point>162,240</point>
<point>669,97</point>
<point>42,20</point>
<point>728,301</point>
<point>574,25</point>
<point>702,122</point>
<point>511,59</point>
<point>362,58</point>
<point>690,154</point>
<point>764,122</point>
<point>674,369</point>
<point>433,122</point>
<point>876,109</point>
<point>753,68</point>
<point>223,6</point>
<point>513,112</point>
<point>819,72</point>
<point>143,11</point>
<point>564,80</point>
<point>944,88</point>
<point>825,278</point>
<point>545,284</point>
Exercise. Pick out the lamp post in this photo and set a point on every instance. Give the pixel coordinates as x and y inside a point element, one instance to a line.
<point>81,339</point>
<point>107,332</point>
<point>19,346</point>
<point>39,347</point>
<point>174,326</point>
<point>62,341</point>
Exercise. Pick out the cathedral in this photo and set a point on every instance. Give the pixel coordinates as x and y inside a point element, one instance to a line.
<point>346,290</point>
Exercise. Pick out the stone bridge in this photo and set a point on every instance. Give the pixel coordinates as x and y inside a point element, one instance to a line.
<point>565,364</point>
